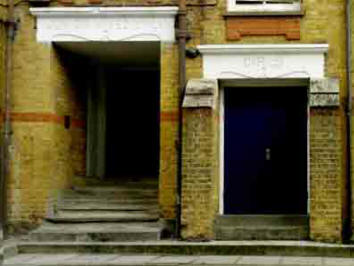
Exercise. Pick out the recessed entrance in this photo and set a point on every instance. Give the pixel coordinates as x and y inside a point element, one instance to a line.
<point>123,107</point>
<point>265,151</point>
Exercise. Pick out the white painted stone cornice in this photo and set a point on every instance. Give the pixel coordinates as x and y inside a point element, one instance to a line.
<point>233,61</point>
<point>103,11</point>
<point>262,48</point>
<point>56,24</point>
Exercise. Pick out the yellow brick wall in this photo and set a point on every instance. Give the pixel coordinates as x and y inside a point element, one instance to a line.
<point>2,51</point>
<point>168,130</point>
<point>43,155</point>
<point>200,177</point>
<point>69,85</point>
<point>325,176</point>
<point>317,26</point>
<point>33,92</point>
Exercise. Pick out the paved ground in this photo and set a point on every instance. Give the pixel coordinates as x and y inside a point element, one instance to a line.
<point>113,259</point>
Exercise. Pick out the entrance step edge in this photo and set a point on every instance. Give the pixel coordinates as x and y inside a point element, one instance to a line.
<point>246,248</point>
<point>262,220</point>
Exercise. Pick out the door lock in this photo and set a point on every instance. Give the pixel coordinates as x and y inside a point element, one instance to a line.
<point>267,154</point>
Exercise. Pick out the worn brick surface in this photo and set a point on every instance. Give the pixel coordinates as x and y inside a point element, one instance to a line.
<point>325,175</point>
<point>44,154</point>
<point>199,173</point>
<point>168,130</point>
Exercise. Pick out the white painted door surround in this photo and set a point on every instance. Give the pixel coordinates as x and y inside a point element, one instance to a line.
<point>262,61</point>
<point>80,24</point>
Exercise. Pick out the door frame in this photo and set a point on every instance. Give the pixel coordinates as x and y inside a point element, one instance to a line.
<point>258,83</point>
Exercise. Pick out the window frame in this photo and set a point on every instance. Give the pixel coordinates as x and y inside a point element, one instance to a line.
<point>233,7</point>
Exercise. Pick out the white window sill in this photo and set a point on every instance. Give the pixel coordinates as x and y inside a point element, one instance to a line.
<point>265,8</point>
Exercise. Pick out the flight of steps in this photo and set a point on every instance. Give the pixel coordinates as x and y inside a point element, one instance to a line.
<point>128,212</point>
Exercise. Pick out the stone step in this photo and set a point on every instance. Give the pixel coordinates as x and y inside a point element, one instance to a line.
<point>262,233</point>
<point>104,213</point>
<point>134,194</point>
<point>262,227</point>
<point>123,198</point>
<point>73,259</point>
<point>106,206</point>
<point>121,182</point>
<point>74,201</point>
<point>240,248</point>
<point>102,216</point>
<point>97,232</point>
<point>262,220</point>
<point>108,194</point>
<point>97,190</point>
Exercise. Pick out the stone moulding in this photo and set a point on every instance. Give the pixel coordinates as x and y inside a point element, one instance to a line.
<point>324,92</point>
<point>55,24</point>
<point>201,93</point>
<point>263,60</point>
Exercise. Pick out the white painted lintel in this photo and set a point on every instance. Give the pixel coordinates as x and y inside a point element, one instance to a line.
<point>99,11</point>
<point>80,24</point>
<point>262,48</point>
<point>229,61</point>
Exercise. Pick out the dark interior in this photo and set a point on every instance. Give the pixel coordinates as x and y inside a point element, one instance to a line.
<point>265,151</point>
<point>133,104</point>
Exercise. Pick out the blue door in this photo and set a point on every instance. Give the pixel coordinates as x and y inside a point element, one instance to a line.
<point>265,151</point>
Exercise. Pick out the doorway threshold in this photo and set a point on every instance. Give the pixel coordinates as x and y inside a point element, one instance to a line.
<point>262,227</point>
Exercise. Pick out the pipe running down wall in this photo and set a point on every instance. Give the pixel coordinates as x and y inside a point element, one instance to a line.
<point>5,160</point>
<point>347,232</point>
<point>182,37</point>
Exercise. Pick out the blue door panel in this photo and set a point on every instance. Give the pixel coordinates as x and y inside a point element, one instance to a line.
<point>265,152</point>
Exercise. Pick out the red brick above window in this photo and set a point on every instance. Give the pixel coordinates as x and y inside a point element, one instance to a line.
<point>238,27</point>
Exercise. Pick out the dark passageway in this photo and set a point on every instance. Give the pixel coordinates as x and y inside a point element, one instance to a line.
<point>132,123</point>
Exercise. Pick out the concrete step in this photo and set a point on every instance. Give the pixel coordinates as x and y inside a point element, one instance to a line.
<point>262,220</point>
<point>98,190</point>
<point>262,227</point>
<point>121,198</point>
<point>97,232</point>
<point>151,182</point>
<point>240,248</point>
<point>106,206</point>
<point>262,233</point>
<point>102,216</point>
<point>72,196</point>
<point>74,259</point>
<point>126,200</point>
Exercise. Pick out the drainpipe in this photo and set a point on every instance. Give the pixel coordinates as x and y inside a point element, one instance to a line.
<point>5,160</point>
<point>182,37</point>
<point>347,232</point>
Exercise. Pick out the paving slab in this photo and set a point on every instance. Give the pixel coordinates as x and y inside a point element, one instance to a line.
<point>133,260</point>
<point>155,260</point>
<point>338,262</point>
<point>258,260</point>
<point>51,259</point>
<point>168,260</point>
<point>307,261</point>
<point>217,260</point>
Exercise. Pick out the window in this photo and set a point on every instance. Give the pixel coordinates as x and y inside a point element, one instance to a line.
<point>264,5</point>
